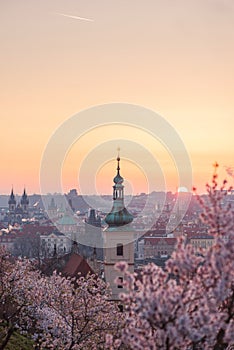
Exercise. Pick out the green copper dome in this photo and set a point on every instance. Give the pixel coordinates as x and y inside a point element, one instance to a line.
<point>119,215</point>
<point>118,179</point>
<point>119,218</point>
<point>66,220</point>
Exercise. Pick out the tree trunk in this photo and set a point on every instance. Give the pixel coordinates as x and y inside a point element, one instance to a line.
<point>5,341</point>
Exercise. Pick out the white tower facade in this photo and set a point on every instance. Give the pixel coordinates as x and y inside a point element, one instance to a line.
<point>118,238</point>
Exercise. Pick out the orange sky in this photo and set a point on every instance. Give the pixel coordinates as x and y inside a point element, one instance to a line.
<point>173,57</point>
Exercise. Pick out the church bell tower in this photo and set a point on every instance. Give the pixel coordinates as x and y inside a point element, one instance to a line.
<point>118,237</point>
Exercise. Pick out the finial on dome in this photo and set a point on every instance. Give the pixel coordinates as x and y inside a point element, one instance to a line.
<point>118,160</point>
<point>118,178</point>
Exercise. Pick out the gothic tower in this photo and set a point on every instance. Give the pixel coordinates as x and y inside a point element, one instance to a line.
<point>12,202</point>
<point>118,237</point>
<point>24,202</point>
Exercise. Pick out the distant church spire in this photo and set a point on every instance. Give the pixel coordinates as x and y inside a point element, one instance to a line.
<point>12,197</point>
<point>24,198</point>
<point>24,195</point>
<point>12,201</point>
<point>119,215</point>
<point>24,201</point>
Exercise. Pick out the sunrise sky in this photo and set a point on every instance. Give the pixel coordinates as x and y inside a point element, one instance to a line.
<point>175,57</point>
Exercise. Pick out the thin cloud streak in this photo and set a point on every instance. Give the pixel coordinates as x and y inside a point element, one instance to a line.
<point>75,17</point>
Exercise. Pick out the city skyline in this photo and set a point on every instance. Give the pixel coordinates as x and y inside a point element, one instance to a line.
<point>173,58</point>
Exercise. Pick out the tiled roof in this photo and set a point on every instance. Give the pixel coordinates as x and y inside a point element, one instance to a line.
<point>196,235</point>
<point>33,229</point>
<point>157,240</point>
<point>201,236</point>
<point>76,266</point>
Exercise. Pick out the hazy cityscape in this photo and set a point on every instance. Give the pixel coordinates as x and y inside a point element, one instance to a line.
<point>116,191</point>
<point>54,228</point>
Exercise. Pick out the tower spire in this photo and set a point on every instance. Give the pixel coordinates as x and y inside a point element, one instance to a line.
<point>119,215</point>
<point>12,201</point>
<point>12,196</point>
<point>24,201</point>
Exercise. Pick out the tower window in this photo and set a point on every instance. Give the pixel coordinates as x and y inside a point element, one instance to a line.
<point>121,308</point>
<point>119,249</point>
<point>120,282</point>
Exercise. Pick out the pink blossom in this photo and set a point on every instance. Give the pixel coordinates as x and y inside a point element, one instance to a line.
<point>189,305</point>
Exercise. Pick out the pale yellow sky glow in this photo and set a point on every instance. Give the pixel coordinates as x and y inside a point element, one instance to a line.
<point>173,57</point>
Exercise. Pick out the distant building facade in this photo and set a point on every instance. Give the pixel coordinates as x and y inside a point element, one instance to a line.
<point>201,242</point>
<point>55,244</point>
<point>7,242</point>
<point>158,247</point>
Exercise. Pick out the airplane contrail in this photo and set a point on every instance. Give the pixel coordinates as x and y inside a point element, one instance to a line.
<point>229,170</point>
<point>75,17</point>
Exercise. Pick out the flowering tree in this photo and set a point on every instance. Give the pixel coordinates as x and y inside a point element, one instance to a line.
<point>55,311</point>
<point>17,301</point>
<point>190,304</point>
<point>75,314</point>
